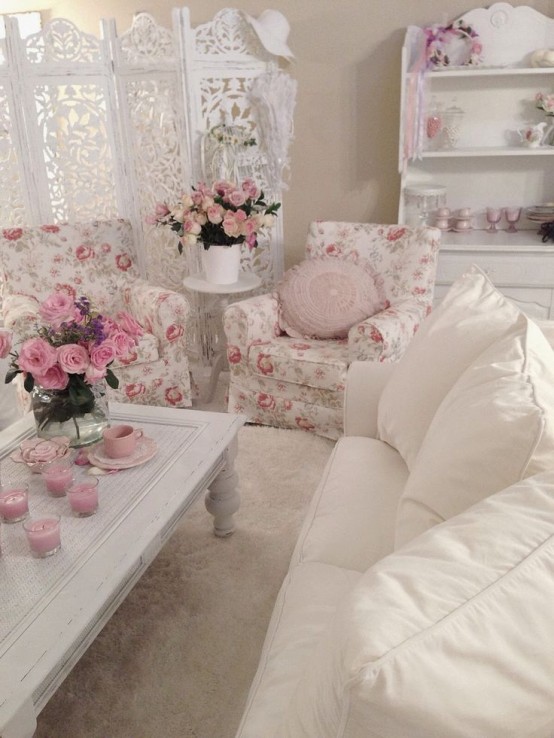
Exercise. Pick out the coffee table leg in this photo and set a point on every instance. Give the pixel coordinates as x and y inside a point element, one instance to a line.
<point>223,500</point>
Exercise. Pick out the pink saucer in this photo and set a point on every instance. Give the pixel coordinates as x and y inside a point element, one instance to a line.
<point>146,448</point>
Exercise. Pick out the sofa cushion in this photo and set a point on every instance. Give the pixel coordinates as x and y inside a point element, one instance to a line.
<point>472,315</point>
<point>324,297</point>
<point>450,636</point>
<point>319,364</point>
<point>351,519</point>
<point>304,608</point>
<point>494,427</point>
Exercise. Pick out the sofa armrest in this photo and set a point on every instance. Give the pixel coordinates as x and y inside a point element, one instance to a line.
<point>160,311</point>
<point>386,335</point>
<point>364,383</point>
<point>254,320</point>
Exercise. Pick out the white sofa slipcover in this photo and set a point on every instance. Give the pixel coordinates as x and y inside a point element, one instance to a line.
<point>447,632</point>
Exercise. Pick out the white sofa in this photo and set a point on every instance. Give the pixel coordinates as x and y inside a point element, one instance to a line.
<point>419,602</point>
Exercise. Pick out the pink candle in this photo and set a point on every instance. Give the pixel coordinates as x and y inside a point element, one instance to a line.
<point>83,497</point>
<point>57,476</point>
<point>14,504</point>
<point>43,535</point>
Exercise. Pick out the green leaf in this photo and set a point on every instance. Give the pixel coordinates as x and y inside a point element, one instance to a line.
<point>29,382</point>
<point>111,380</point>
<point>11,375</point>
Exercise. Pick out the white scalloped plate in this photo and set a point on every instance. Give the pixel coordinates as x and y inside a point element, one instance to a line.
<point>145,450</point>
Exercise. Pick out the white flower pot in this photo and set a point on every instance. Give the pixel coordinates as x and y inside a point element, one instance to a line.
<point>221,263</point>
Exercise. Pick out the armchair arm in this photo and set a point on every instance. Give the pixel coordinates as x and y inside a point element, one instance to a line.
<point>254,320</point>
<point>386,335</point>
<point>364,383</point>
<point>161,312</point>
<point>20,313</point>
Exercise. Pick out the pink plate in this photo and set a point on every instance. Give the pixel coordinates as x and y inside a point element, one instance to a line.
<point>145,449</point>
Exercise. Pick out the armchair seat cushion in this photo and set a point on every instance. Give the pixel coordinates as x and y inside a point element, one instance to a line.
<point>318,364</point>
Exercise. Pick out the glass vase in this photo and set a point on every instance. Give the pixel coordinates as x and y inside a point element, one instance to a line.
<point>55,415</point>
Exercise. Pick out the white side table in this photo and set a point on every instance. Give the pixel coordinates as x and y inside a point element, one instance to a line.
<point>247,282</point>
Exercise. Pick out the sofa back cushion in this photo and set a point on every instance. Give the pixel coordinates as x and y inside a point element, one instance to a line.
<point>452,635</point>
<point>472,315</point>
<point>494,427</point>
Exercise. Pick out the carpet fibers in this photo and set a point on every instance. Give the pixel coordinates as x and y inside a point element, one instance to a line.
<point>177,658</point>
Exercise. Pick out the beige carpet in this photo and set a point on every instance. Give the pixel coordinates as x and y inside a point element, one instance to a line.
<point>176,660</point>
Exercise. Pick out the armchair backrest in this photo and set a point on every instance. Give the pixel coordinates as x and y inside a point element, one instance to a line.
<point>80,258</point>
<point>403,259</point>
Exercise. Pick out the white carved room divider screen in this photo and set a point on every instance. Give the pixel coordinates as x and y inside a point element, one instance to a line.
<point>97,128</point>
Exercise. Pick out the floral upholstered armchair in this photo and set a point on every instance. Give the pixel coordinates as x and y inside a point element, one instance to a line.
<point>98,260</point>
<point>289,379</point>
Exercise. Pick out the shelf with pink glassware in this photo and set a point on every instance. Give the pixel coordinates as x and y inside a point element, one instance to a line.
<point>524,240</point>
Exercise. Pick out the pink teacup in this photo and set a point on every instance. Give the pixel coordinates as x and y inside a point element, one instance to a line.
<point>121,440</point>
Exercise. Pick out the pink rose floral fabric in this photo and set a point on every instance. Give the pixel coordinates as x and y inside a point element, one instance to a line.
<point>299,383</point>
<point>98,259</point>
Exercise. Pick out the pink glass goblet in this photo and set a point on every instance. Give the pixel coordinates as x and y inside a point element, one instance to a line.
<point>512,216</point>
<point>493,217</point>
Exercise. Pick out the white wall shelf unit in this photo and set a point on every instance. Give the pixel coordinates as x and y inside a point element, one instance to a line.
<point>488,166</point>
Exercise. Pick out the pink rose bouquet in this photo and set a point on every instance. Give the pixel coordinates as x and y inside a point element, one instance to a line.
<point>223,214</point>
<point>71,351</point>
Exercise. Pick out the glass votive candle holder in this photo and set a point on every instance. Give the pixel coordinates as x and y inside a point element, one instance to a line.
<point>83,497</point>
<point>58,476</point>
<point>43,535</point>
<point>14,502</point>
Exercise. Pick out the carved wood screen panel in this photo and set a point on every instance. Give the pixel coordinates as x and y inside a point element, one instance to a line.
<point>101,128</point>
<point>104,127</point>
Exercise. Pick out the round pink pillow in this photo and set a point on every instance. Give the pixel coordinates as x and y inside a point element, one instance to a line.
<point>324,297</point>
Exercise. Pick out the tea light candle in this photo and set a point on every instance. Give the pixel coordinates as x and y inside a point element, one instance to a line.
<point>57,476</point>
<point>83,497</point>
<point>43,535</point>
<point>14,503</point>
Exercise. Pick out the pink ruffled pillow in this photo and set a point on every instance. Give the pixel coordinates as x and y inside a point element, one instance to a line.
<point>324,297</point>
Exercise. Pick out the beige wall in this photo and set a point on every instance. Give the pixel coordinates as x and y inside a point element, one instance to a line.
<point>344,156</point>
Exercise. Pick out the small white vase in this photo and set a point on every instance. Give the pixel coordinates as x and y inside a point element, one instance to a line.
<point>221,263</point>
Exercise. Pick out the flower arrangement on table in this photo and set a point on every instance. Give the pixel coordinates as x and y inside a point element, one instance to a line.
<point>71,353</point>
<point>221,214</point>
<point>459,37</point>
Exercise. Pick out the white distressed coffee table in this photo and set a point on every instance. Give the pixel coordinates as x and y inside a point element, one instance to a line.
<point>52,609</point>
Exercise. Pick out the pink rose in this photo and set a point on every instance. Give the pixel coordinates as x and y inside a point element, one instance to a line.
<point>134,390</point>
<point>57,308</point>
<point>83,252</point>
<point>265,401</point>
<point>92,374</point>
<point>173,395</point>
<point>304,424</point>
<point>103,353</point>
<point>236,198</point>
<point>53,378</point>
<point>129,324</point>
<point>36,356</point>
<point>123,262</point>
<point>174,332</point>
<point>12,234</point>
<point>123,342</point>
<point>215,214</point>
<point>50,228</point>
<point>250,189</point>
<point>233,354</point>
<point>5,343</point>
<point>73,358</point>
<point>264,364</point>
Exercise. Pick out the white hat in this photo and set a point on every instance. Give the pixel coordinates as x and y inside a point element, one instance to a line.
<point>272,29</point>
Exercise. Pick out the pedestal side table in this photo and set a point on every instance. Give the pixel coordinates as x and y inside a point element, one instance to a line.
<point>247,282</point>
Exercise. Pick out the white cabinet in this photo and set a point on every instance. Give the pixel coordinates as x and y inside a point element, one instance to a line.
<point>488,166</point>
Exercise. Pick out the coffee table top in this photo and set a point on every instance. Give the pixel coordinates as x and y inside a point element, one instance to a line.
<point>51,609</point>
